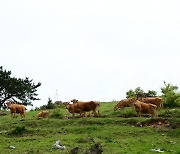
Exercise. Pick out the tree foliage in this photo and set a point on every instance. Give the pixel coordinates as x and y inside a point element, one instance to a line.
<point>17,89</point>
<point>138,92</point>
<point>170,95</point>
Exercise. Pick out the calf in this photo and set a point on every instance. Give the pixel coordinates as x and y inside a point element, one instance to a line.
<point>144,108</point>
<point>16,108</point>
<point>43,114</point>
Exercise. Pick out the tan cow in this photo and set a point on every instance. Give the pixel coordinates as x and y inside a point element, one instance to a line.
<point>16,108</point>
<point>72,109</point>
<point>129,102</point>
<point>158,101</point>
<point>43,114</point>
<point>145,108</point>
<point>83,107</point>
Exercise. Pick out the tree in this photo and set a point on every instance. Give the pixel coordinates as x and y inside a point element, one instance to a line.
<point>170,95</point>
<point>130,94</point>
<point>151,93</point>
<point>138,92</point>
<point>50,104</point>
<point>17,89</point>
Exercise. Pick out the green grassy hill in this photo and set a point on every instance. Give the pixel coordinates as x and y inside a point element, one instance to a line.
<point>116,132</point>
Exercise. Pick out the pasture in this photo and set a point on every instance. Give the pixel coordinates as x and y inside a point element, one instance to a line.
<point>116,132</point>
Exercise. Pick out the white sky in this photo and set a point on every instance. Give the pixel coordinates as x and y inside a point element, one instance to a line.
<point>91,50</point>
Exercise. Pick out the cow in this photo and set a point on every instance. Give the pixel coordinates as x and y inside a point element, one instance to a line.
<point>158,101</point>
<point>145,108</point>
<point>72,109</point>
<point>43,114</point>
<point>125,103</point>
<point>83,107</point>
<point>16,108</point>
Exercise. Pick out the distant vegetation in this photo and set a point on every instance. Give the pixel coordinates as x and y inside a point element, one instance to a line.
<point>170,94</point>
<point>24,91</point>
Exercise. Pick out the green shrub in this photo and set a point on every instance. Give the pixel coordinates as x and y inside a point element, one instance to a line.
<point>170,95</point>
<point>170,113</point>
<point>19,130</point>
<point>56,114</point>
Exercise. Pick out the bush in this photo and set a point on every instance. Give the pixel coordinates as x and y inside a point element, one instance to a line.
<point>170,113</point>
<point>19,130</point>
<point>56,114</point>
<point>170,95</point>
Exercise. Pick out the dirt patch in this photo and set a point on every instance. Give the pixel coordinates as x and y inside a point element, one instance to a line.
<point>2,113</point>
<point>157,123</point>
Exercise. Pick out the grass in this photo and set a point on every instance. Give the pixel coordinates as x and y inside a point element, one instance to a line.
<point>117,132</point>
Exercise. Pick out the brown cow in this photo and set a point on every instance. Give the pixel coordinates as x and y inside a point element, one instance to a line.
<point>86,106</point>
<point>144,108</point>
<point>72,109</point>
<point>43,114</point>
<point>158,101</point>
<point>125,103</point>
<point>16,108</point>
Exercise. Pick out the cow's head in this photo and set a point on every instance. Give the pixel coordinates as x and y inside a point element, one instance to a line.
<point>74,101</point>
<point>8,103</point>
<point>66,104</point>
<point>117,106</point>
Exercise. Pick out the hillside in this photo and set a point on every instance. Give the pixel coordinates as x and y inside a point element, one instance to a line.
<point>115,132</point>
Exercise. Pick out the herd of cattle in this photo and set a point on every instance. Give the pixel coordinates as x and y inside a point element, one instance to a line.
<point>146,105</point>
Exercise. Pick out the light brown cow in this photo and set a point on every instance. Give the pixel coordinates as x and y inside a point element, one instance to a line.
<point>43,114</point>
<point>145,108</point>
<point>158,101</point>
<point>16,108</point>
<point>72,109</point>
<point>125,103</point>
<point>83,107</point>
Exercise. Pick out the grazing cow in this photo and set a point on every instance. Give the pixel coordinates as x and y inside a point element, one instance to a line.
<point>83,107</point>
<point>16,108</point>
<point>125,103</point>
<point>43,114</point>
<point>158,101</point>
<point>144,108</point>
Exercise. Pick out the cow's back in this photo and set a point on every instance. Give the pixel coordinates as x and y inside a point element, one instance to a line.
<point>86,106</point>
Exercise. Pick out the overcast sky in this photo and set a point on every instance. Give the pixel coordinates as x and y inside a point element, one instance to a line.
<point>91,49</point>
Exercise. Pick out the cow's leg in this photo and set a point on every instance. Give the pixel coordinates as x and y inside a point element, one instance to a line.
<point>138,113</point>
<point>155,114</point>
<point>14,115</point>
<point>73,114</point>
<point>22,115</point>
<point>95,113</point>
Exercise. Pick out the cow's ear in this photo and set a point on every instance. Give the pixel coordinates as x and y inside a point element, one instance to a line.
<point>76,100</point>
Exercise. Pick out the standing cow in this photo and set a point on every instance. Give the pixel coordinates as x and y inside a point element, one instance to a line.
<point>158,101</point>
<point>83,107</point>
<point>16,108</point>
<point>71,108</point>
<point>145,108</point>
